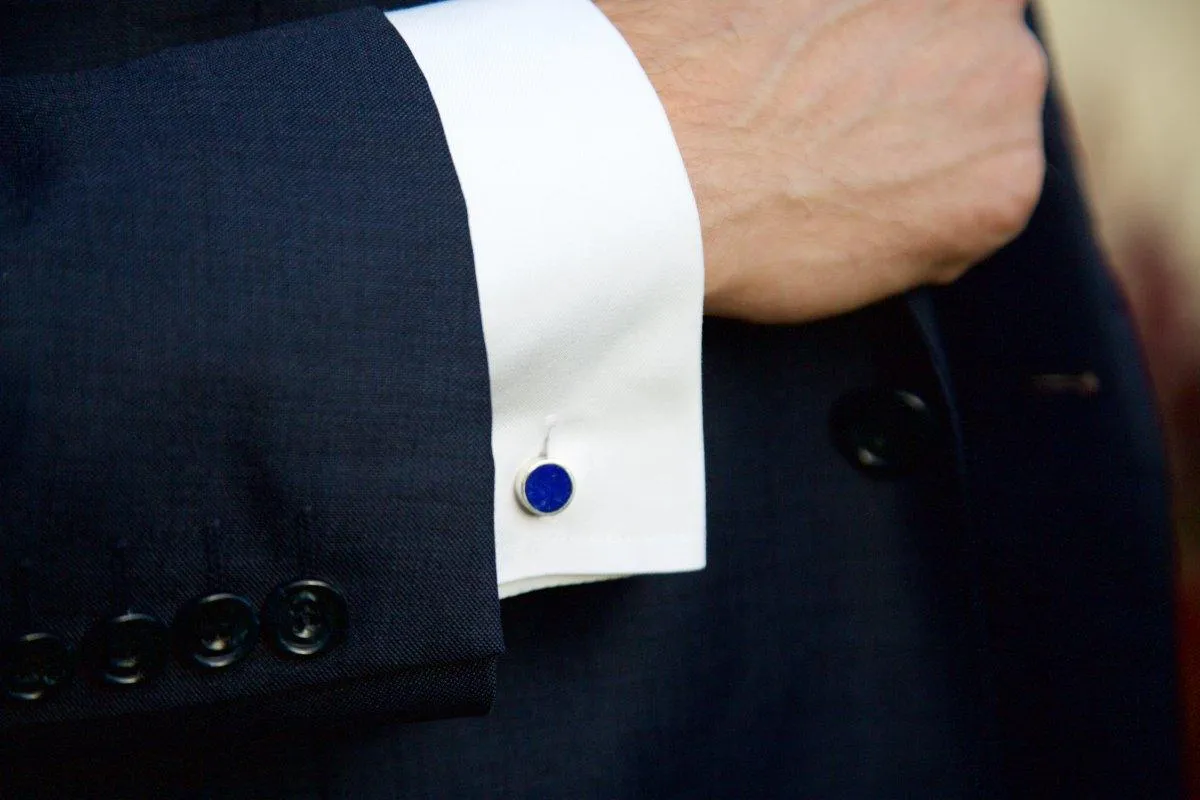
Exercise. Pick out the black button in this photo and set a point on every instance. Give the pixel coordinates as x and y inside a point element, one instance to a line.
<point>305,618</point>
<point>216,631</point>
<point>884,432</point>
<point>127,650</point>
<point>35,666</point>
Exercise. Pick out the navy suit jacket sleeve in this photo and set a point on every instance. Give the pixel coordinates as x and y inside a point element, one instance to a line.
<point>240,346</point>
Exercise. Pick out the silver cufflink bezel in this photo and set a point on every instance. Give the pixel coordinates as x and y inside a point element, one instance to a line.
<point>523,476</point>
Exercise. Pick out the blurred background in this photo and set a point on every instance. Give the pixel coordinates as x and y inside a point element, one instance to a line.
<point>1130,75</point>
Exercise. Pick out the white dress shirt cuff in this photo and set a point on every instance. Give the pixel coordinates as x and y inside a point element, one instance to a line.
<point>588,258</point>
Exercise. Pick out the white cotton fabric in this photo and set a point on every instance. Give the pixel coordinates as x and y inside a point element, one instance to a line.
<point>588,257</point>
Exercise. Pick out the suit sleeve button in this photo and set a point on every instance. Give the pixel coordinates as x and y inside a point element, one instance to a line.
<point>215,631</point>
<point>127,650</point>
<point>305,618</point>
<point>35,667</point>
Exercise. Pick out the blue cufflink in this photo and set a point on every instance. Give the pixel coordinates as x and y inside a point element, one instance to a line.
<point>544,487</point>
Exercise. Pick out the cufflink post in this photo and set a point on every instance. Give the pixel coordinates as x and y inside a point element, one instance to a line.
<point>544,487</point>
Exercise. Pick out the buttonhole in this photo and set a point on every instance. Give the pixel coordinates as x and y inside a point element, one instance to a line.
<point>1083,384</point>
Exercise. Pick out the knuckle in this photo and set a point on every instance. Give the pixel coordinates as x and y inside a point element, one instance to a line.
<point>1031,64</point>
<point>1026,187</point>
<point>1016,189</point>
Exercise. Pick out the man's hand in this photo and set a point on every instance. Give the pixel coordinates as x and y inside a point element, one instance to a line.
<point>842,151</point>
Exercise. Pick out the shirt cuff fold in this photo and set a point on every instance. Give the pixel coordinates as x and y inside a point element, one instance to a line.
<point>590,270</point>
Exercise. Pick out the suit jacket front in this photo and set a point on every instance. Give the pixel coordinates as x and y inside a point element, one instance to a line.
<point>240,346</point>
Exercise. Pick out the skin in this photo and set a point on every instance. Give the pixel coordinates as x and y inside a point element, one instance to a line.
<point>844,151</point>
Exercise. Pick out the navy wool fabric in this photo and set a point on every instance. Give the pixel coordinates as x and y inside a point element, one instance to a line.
<point>992,621</point>
<point>64,35</point>
<point>240,344</point>
<point>1068,502</point>
<point>829,650</point>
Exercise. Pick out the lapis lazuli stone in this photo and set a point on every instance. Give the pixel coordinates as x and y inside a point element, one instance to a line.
<point>547,489</point>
